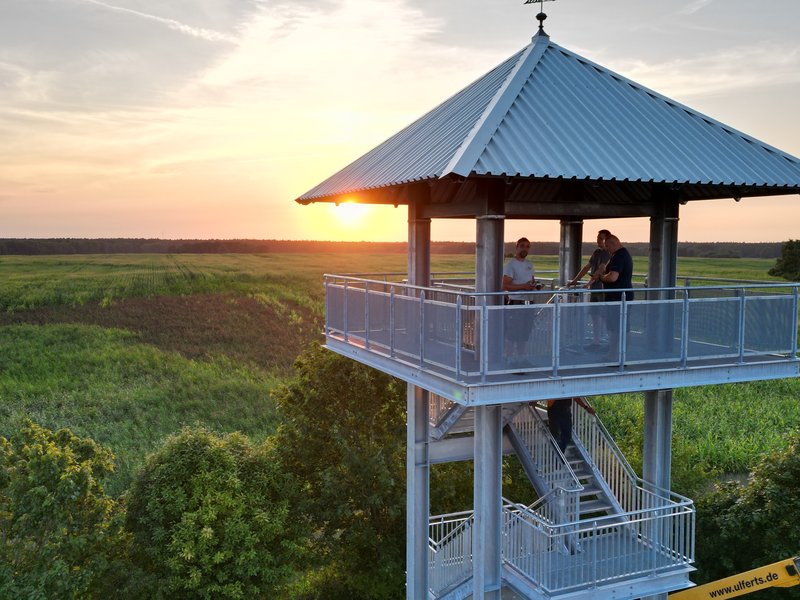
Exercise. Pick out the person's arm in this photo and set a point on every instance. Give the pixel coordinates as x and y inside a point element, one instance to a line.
<point>508,286</point>
<point>609,277</point>
<point>578,277</point>
<point>586,406</point>
<point>597,275</point>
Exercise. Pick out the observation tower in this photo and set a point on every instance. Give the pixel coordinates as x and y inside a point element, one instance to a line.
<point>548,134</point>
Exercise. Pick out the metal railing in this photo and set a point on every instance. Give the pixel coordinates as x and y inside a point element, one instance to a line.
<point>469,336</point>
<point>651,530</point>
<point>650,541</point>
<point>642,542</point>
<point>449,550</point>
<point>606,457</point>
<point>552,467</point>
<point>438,407</point>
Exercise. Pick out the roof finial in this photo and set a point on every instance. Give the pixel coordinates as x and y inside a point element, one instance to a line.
<point>541,16</point>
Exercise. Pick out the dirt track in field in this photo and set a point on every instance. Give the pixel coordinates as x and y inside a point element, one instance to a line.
<point>198,326</point>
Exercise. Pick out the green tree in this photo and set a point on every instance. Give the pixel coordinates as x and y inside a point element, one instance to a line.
<point>61,535</point>
<point>744,526</point>
<point>211,518</point>
<point>788,265</point>
<point>343,439</point>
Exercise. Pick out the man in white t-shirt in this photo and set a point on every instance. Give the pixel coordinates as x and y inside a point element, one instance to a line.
<point>519,276</point>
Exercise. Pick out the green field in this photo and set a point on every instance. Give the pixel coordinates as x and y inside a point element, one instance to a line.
<point>129,348</point>
<point>45,281</point>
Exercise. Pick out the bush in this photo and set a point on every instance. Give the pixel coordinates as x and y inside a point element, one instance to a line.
<point>744,526</point>
<point>788,265</point>
<point>210,518</point>
<point>61,534</point>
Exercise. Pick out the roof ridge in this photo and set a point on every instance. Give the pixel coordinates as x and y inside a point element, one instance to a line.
<point>464,160</point>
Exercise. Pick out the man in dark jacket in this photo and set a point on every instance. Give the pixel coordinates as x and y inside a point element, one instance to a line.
<point>595,267</point>
<point>618,276</point>
<point>559,419</point>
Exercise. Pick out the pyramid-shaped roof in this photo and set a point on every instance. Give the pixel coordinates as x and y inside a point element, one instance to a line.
<point>548,114</point>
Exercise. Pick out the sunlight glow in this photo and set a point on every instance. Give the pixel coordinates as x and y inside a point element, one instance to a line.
<point>350,214</point>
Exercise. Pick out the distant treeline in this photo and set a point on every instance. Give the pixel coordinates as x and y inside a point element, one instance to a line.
<point>158,246</point>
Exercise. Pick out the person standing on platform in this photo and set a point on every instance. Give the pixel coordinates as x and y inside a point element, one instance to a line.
<point>519,276</point>
<point>618,276</point>
<point>595,267</point>
<point>559,419</point>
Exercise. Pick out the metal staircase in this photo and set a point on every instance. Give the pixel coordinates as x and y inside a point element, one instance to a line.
<point>595,525</point>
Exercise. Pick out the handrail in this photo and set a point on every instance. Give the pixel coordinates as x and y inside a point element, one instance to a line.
<point>628,515</point>
<point>467,514</point>
<point>620,457</point>
<point>765,285</point>
<point>609,439</point>
<point>557,450</point>
<point>437,274</point>
<point>466,335</point>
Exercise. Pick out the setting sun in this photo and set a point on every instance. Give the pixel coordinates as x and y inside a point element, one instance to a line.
<point>350,214</point>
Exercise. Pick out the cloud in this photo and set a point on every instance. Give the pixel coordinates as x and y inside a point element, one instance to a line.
<point>88,56</point>
<point>694,7</point>
<point>198,32</point>
<point>717,73</point>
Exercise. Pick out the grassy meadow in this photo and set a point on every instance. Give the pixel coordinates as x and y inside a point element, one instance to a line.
<point>129,348</point>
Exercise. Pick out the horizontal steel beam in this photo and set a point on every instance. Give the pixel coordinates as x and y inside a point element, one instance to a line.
<point>458,449</point>
<point>502,389</point>
<point>540,210</point>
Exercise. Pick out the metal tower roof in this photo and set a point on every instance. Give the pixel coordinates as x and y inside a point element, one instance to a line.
<point>548,114</point>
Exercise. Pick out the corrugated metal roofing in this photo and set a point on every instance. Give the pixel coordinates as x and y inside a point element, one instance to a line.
<point>549,113</point>
<point>423,149</point>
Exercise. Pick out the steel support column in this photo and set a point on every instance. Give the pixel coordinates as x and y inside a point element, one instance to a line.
<point>417,494</point>
<point>657,453</point>
<point>486,537</point>
<point>488,494</point>
<point>419,238</point>
<point>570,250</point>
<point>417,435</point>
<point>663,266</point>
<point>489,253</point>
<point>662,272</point>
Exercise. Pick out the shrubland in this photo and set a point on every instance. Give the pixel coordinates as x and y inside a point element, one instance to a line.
<point>152,358</point>
<point>745,525</point>
<point>129,396</point>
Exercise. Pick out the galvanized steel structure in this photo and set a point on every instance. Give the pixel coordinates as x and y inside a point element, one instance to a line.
<point>550,135</point>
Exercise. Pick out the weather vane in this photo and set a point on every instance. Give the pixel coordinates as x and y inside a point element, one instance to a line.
<point>541,16</point>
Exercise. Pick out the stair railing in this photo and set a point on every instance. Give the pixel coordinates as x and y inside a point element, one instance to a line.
<point>536,547</point>
<point>650,503</point>
<point>449,550</point>
<point>605,456</point>
<point>438,407</point>
<point>553,467</point>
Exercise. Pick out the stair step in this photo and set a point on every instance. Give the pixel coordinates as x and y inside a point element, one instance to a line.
<point>594,506</point>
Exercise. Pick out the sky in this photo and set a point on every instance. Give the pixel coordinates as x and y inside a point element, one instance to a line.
<point>206,118</point>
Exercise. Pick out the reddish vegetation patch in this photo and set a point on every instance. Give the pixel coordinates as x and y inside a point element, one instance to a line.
<point>198,326</point>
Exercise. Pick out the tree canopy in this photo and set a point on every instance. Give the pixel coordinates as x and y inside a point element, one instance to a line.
<point>60,535</point>
<point>744,526</point>
<point>211,517</point>
<point>788,265</point>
